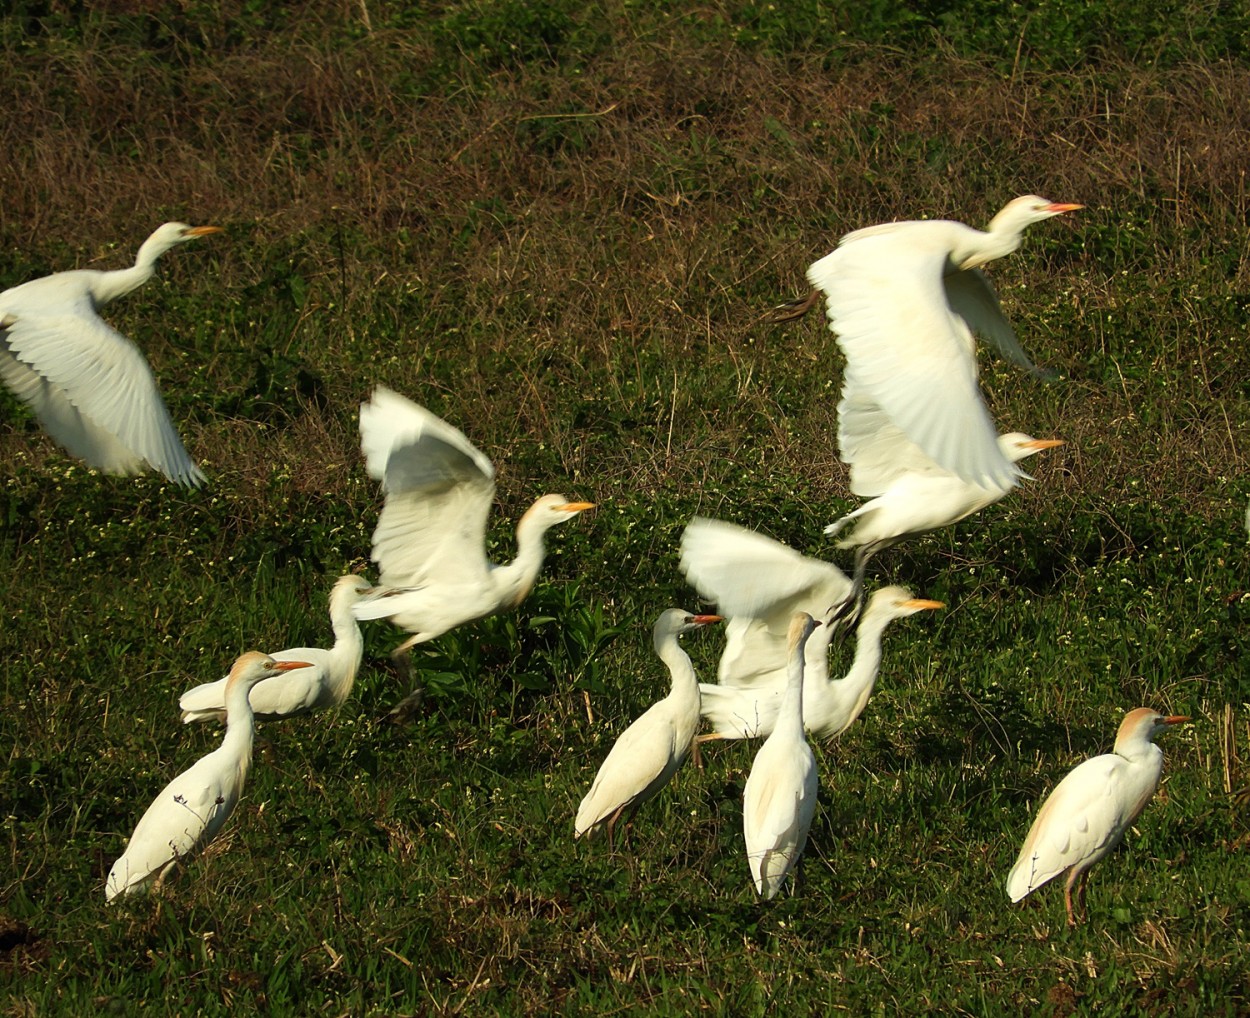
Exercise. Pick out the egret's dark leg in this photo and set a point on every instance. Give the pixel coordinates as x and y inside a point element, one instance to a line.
<point>796,308</point>
<point>407,708</point>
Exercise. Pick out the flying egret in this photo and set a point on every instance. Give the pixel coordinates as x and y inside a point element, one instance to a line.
<point>430,540</point>
<point>327,681</point>
<point>1086,815</point>
<point>89,385</point>
<point>910,494</point>
<point>191,809</point>
<point>904,300</point>
<point>830,706</point>
<point>649,752</point>
<point>780,795</point>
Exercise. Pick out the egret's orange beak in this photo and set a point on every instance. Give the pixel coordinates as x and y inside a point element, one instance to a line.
<point>706,620</point>
<point>1176,719</point>
<point>203,231</point>
<point>576,507</point>
<point>290,666</point>
<point>920,604</point>
<point>1043,443</point>
<point>1056,207</point>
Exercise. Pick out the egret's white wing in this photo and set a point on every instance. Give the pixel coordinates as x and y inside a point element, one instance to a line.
<point>876,450</point>
<point>187,812</point>
<point>759,584</point>
<point>439,489</point>
<point>906,348</point>
<point>640,763</point>
<point>749,574</point>
<point>778,805</point>
<point>972,297</point>
<point>93,391</point>
<point>283,695</point>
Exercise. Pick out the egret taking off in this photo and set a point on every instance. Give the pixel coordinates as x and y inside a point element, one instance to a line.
<point>780,796</point>
<point>191,809</point>
<point>430,541</point>
<point>830,706</point>
<point>1086,815</point>
<point>910,494</point>
<point>758,584</point>
<point>325,683</point>
<point>649,752</point>
<point>90,387</point>
<point>904,300</point>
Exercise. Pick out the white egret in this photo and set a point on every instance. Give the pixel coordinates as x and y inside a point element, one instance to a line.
<point>1087,814</point>
<point>910,494</point>
<point>327,681</point>
<point>89,385</point>
<point>904,300</point>
<point>830,706</point>
<point>649,752</point>
<point>430,540</point>
<point>779,800</point>
<point>192,809</point>
<point>758,584</point>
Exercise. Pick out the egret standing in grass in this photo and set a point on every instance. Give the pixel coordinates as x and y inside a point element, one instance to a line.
<point>430,540</point>
<point>327,682</point>
<point>1089,811</point>
<point>90,387</point>
<point>650,751</point>
<point>780,796</point>
<point>191,810</point>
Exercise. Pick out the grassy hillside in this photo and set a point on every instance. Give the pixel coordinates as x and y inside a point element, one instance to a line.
<point>562,228</point>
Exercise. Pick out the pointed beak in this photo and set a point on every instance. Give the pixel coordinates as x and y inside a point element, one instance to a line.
<point>1176,719</point>
<point>290,666</point>
<point>576,507</point>
<point>1043,443</point>
<point>706,620</point>
<point>1057,208</point>
<point>203,231</point>
<point>920,604</point>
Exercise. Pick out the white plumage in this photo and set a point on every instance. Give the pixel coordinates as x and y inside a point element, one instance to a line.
<point>904,300</point>
<point>779,800</point>
<point>430,540</point>
<point>191,810</point>
<point>327,681</point>
<point>1089,811</point>
<point>90,387</point>
<point>649,752</point>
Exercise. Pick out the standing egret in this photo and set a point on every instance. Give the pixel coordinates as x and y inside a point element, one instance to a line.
<point>191,809</point>
<point>649,752</point>
<point>910,494</point>
<point>327,681</point>
<point>1086,815</point>
<point>90,387</point>
<point>830,706</point>
<point>430,540</point>
<point>780,796</point>
<point>904,300</point>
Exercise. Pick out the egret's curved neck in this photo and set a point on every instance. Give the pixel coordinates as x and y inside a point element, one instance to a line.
<point>240,725</point>
<point>1139,749</point>
<point>856,686</point>
<point>515,580</point>
<point>108,286</point>
<point>1003,236</point>
<point>685,684</point>
<point>348,648</point>
<point>789,723</point>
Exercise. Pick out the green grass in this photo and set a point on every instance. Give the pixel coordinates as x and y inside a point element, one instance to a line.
<point>560,228</point>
